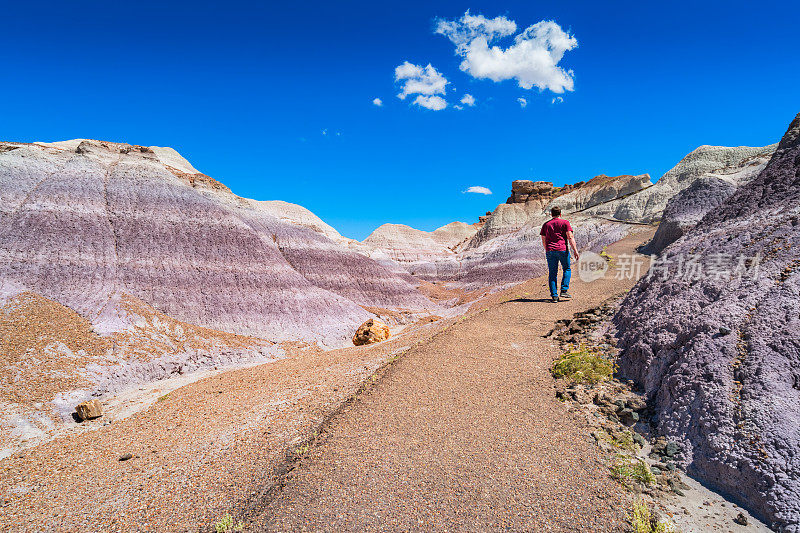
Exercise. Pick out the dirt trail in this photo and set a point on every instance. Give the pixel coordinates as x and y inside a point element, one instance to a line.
<point>462,433</point>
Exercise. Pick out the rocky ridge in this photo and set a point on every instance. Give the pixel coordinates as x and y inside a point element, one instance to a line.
<point>715,346</point>
<point>712,174</point>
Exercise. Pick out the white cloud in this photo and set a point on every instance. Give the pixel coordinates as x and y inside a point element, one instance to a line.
<point>436,103</point>
<point>378,102</point>
<point>459,107</point>
<point>470,27</point>
<point>522,102</point>
<point>419,80</point>
<point>478,190</point>
<point>557,100</point>
<point>324,132</point>
<point>468,100</point>
<point>532,59</point>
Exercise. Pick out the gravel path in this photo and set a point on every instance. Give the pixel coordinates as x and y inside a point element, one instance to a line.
<point>462,433</point>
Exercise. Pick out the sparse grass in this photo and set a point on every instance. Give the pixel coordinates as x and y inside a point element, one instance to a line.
<point>626,469</point>
<point>583,365</point>
<point>622,440</point>
<point>163,398</point>
<point>302,450</point>
<point>608,257</point>
<point>642,520</point>
<point>227,525</point>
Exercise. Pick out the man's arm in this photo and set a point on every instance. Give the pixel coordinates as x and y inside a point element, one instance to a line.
<point>544,243</point>
<point>571,239</point>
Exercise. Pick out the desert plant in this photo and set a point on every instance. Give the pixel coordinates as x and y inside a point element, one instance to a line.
<point>626,469</point>
<point>622,440</point>
<point>226,525</point>
<point>642,520</point>
<point>583,365</point>
<point>608,257</point>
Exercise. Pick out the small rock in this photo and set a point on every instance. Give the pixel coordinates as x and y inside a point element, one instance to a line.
<point>741,519</point>
<point>580,396</point>
<point>671,449</point>
<point>575,327</point>
<point>90,409</point>
<point>655,470</point>
<point>601,398</point>
<point>638,439</point>
<point>125,457</point>
<point>636,403</point>
<point>724,331</point>
<point>628,416</point>
<point>659,445</point>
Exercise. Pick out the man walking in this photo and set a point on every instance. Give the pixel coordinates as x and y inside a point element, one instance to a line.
<point>555,233</point>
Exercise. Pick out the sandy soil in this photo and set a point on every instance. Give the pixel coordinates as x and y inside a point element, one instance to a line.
<point>198,453</point>
<point>702,510</point>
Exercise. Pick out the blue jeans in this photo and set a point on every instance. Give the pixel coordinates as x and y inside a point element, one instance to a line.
<point>553,259</point>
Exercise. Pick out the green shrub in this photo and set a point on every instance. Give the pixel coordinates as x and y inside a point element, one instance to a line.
<point>626,469</point>
<point>622,440</point>
<point>583,365</point>
<point>226,525</point>
<point>643,521</point>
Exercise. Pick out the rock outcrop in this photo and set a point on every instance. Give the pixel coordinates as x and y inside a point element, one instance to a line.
<point>599,190</point>
<point>708,186</point>
<point>713,337</point>
<point>370,332</point>
<point>686,208</point>
<point>525,190</point>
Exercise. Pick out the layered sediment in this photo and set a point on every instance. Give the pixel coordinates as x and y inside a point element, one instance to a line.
<point>712,337</point>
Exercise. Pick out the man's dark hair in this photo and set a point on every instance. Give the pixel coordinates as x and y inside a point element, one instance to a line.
<point>556,211</point>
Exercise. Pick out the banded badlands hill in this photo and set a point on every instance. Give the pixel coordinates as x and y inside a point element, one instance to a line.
<point>123,264</point>
<point>149,269</point>
<point>718,355</point>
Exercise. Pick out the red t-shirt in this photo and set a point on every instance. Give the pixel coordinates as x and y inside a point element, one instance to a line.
<point>555,234</point>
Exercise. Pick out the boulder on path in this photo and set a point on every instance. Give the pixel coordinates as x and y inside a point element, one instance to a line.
<point>370,332</point>
<point>89,409</point>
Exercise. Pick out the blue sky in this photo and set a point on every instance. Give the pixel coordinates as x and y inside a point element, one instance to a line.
<point>246,90</point>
